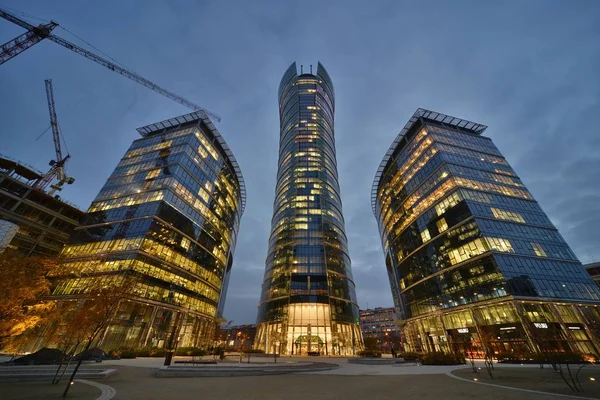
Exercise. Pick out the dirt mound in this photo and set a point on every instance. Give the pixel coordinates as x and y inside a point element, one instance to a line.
<point>41,357</point>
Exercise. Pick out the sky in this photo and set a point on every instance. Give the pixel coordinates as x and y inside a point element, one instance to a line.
<point>527,69</point>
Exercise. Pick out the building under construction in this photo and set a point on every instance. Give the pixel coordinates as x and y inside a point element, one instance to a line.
<point>45,222</point>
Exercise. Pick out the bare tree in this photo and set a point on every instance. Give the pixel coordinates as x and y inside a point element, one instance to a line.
<point>98,308</point>
<point>276,339</point>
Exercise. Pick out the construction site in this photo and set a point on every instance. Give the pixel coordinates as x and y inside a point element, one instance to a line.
<point>165,222</point>
<point>34,218</point>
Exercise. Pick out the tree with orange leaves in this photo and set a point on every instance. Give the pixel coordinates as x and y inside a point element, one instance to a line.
<point>23,284</point>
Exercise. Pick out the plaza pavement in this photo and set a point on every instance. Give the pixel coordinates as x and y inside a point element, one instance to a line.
<point>136,380</point>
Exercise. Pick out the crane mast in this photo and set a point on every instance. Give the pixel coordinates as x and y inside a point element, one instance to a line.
<point>36,34</point>
<point>57,167</point>
<point>53,119</point>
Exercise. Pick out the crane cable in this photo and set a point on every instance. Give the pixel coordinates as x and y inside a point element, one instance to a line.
<point>94,47</point>
<point>24,14</point>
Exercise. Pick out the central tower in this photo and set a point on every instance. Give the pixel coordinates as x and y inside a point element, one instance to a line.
<point>308,302</point>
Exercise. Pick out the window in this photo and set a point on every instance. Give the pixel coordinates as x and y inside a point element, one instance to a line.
<point>441,225</point>
<point>425,236</point>
<point>507,215</point>
<point>447,203</point>
<point>500,244</point>
<point>153,174</point>
<point>539,251</point>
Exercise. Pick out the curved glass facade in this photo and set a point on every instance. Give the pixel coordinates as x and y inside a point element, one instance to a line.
<point>473,261</point>
<point>308,302</point>
<point>167,218</point>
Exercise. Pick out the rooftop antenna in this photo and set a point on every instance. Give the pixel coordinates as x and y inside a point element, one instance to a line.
<point>311,69</point>
<point>301,69</point>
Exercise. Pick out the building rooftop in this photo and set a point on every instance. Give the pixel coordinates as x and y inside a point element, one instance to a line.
<point>421,116</point>
<point>594,264</point>
<point>200,116</point>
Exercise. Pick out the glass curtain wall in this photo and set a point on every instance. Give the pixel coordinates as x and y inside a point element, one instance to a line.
<point>308,302</point>
<point>167,218</point>
<point>460,229</point>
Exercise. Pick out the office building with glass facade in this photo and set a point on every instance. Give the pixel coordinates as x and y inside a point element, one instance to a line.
<point>308,302</point>
<point>167,219</point>
<point>474,263</point>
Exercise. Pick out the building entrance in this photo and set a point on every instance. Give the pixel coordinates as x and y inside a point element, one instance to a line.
<point>309,345</point>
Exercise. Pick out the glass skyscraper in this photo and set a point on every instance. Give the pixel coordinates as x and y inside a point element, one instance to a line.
<point>308,302</point>
<point>474,263</point>
<point>167,218</point>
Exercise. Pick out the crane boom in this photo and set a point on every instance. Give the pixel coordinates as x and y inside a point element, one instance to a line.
<point>38,34</point>
<point>54,124</point>
<point>21,43</point>
<point>130,75</point>
<point>16,20</point>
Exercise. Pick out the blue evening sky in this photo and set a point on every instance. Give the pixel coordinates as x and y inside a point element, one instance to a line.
<point>528,69</point>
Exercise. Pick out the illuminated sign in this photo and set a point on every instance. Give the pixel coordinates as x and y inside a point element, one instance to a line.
<point>463,330</point>
<point>508,328</point>
<point>541,325</point>
<point>574,328</point>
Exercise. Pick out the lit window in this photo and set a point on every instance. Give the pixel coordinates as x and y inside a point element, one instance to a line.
<point>500,244</point>
<point>203,194</point>
<point>537,248</point>
<point>425,236</point>
<point>185,243</point>
<point>441,225</point>
<point>153,174</point>
<point>447,203</point>
<point>507,215</point>
<point>207,146</point>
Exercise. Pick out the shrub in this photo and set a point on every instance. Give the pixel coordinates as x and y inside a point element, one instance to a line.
<point>369,353</point>
<point>149,351</point>
<point>442,359</point>
<point>218,351</point>
<point>564,358</point>
<point>123,352</point>
<point>190,351</point>
<point>409,356</point>
<point>254,351</point>
<point>158,352</point>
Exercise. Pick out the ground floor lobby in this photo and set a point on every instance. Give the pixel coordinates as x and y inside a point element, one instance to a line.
<point>508,327</point>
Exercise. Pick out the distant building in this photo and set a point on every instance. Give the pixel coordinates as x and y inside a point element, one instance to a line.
<point>473,261</point>
<point>167,218</point>
<point>594,270</point>
<point>236,338</point>
<point>45,222</point>
<point>381,324</point>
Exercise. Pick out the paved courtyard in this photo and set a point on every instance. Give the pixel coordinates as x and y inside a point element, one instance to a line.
<point>136,380</point>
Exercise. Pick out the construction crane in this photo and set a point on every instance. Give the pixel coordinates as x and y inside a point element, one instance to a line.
<point>35,34</point>
<point>57,167</point>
